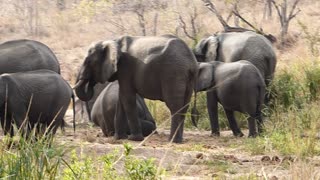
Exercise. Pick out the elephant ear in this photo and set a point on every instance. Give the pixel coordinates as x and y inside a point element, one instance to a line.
<point>206,49</point>
<point>205,78</point>
<point>212,47</point>
<point>109,66</point>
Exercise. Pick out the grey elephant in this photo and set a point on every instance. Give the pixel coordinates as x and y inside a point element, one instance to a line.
<point>26,55</point>
<point>33,98</point>
<point>238,86</point>
<point>155,67</point>
<point>104,111</point>
<point>85,107</point>
<point>231,47</point>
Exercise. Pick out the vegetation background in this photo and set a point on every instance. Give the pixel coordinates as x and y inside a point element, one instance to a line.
<point>70,26</point>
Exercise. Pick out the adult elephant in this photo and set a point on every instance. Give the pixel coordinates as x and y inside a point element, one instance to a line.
<point>26,55</point>
<point>231,47</point>
<point>33,98</point>
<point>104,111</point>
<point>155,67</point>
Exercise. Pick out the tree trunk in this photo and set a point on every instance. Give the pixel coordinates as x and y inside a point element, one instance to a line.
<point>61,4</point>
<point>269,9</point>
<point>155,23</point>
<point>142,22</point>
<point>284,31</point>
<point>37,24</point>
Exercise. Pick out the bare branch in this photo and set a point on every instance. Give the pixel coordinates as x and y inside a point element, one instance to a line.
<point>141,19</point>
<point>213,9</point>
<point>252,26</point>
<point>293,8</point>
<point>184,28</point>
<point>294,15</point>
<point>277,8</point>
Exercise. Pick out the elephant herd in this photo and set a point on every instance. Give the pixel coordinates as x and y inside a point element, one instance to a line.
<point>234,68</point>
<point>33,95</point>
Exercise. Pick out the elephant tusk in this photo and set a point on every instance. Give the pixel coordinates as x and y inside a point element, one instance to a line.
<point>79,83</point>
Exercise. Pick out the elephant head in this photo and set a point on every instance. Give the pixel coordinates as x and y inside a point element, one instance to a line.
<point>99,66</point>
<point>205,78</point>
<point>206,49</point>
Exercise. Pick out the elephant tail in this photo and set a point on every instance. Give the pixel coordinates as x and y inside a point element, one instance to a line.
<point>88,111</point>
<point>260,100</point>
<point>194,112</point>
<point>74,112</point>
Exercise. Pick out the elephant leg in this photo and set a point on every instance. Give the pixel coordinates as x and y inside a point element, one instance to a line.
<point>21,119</point>
<point>130,107</point>
<point>7,126</point>
<point>212,106</point>
<point>120,123</point>
<point>177,121</point>
<point>259,122</point>
<point>233,123</point>
<point>147,127</point>
<point>267,96</point>
<point>252,127</point>
<point>178,104</point>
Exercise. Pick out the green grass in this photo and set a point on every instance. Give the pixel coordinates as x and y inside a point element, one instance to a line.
<point>292,126</point>
<point>43,160</point>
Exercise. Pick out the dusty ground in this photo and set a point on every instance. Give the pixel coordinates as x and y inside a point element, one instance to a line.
<point>198,157</point>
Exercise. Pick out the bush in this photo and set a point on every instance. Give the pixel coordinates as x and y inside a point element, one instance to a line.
<point>313,81</point>
<point>286,91</point>
<point>37,160</point>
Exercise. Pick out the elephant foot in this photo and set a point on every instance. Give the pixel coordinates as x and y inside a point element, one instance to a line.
<point>137,137</point>
<point>176,140</point>
<point>120,136</point>
<point>215,134</point>
<point>252,135</point>
<point>238,134</point>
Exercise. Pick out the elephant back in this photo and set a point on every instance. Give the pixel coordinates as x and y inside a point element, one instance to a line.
<point>250,46</point>
<point>26,55</point>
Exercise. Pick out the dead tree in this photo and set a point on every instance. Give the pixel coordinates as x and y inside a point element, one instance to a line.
<point>140,12</point>
<point>192,31</point>
<point>284,17</point>
<point>155,23</point>
<point>267,14</point>
<point>140,9</point>
<point>27,12</point>
<point>228,28</point>
<point>61,4</point>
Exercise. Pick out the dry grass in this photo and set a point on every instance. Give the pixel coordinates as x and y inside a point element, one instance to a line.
<point>70,31</point>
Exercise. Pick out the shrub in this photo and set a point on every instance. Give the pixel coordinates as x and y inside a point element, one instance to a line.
<point>37,160</point>
<point>313,81</point>
<point>286,91</point>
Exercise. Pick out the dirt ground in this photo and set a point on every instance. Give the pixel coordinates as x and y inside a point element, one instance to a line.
<point>198,157</point>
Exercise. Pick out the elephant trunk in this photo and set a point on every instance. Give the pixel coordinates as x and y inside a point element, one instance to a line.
<point>84,90</point>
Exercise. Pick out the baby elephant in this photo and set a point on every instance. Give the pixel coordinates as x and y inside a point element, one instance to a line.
<point>104,111</point>
<point>237,86</point>
<point>33,99</point>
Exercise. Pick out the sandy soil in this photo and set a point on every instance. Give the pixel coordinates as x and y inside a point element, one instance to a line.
<point>198,157</point>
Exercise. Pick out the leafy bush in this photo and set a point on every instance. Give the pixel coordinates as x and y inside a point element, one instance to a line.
<point>37,160</point>
<point>138,169</point>
<point>313,81</point>
<point>286,91</point>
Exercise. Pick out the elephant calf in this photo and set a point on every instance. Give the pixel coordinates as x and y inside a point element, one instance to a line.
<point>104,111</point>
<point>38,97</point>
<point>238,86</point>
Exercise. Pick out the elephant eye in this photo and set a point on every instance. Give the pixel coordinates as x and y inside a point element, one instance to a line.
<point>91,51</point>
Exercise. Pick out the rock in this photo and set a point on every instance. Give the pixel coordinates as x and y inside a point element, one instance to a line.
<point>265,159</point>
<point>199,155</point>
